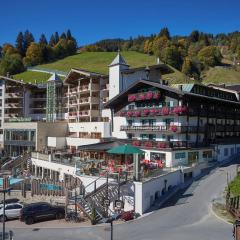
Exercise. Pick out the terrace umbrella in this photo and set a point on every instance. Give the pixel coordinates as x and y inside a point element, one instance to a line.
<point>127,149</point>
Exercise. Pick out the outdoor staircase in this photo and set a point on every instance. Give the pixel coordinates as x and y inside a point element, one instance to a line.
<point>93,201</point>
<point>20,162</point>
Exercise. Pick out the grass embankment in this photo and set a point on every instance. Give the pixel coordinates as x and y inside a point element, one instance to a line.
<point>234,186</point>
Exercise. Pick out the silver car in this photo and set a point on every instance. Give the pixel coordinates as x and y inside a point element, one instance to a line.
<point>12,211</point>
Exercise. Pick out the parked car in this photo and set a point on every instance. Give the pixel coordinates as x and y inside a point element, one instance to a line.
<point>8,201</point>
<point>12,210</point>
<point>41,211</point>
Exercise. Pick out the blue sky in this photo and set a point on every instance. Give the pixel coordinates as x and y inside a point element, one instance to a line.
<point>92,20</point>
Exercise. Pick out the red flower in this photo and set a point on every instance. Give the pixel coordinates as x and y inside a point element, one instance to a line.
<point>148,144</point>
<point>173,128</point>
<point>137,114</point>
<point>156,95</point>
<point>161,145</point>
<point>146,112</point>
<point>129,114</point>
<point>153,111</point>
<point>165,111</point>
<point>136,143</point>
<point>131,98</point>
<point>149,95</point>
<point>141,96</point>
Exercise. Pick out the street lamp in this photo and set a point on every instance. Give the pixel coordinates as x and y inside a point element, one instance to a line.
<point>4,191</point>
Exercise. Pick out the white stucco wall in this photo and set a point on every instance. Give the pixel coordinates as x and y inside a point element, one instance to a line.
<point>145,191</point>
<point>57,142</point>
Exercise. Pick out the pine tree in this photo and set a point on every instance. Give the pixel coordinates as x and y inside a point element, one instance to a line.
<point>20,43</point>
<point>69,35</point>
<point>52,41</point>
<point>27,40</point>
<point>43,40</point>
<point>63,36</point>
<point>56,36</point>
<point>164,32</point>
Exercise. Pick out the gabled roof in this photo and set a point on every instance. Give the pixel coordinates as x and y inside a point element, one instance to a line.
<point>121,100</point>
<point>118,60</point>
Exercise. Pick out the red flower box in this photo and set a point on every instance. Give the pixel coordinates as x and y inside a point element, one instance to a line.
<point>136,143</point>
<point>165,111</point>
<point>146,112</point>
<point>148,144</point>
<point>156,95</point>
<point>141,96</point>
<point>153,111</point>
<point>129,114</point>
<point>137,114</point>
<point>161,145</point>
<point>173,128</point>
<point>180,110</point>
<point>149,95</point>
<point>132,98</point>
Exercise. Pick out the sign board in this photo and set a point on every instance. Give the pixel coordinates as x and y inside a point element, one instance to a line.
<point>106,202</point>
<point>20,119</point>
<point>119,204</point>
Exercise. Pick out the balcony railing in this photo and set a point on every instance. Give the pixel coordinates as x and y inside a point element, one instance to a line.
<point>146,112</point>
<point>158,144</point>
<point>166,128</point>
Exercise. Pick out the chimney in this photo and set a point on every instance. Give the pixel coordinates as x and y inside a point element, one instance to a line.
<point>158,60</point>
<point>8,75</point>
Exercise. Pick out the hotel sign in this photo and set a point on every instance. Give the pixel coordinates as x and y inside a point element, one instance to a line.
<point>20,119</point>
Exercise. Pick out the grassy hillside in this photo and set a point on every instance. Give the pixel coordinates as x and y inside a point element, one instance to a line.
<point>221,75</point>
<point>99,61</point>
<point>92,61</point>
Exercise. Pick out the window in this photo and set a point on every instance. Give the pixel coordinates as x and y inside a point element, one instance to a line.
<point>180,155</point>
<point>232,151</point>
<point>130,135</point>
<point>225,151</point>
<point>207,154</point>
<point>152,136</point>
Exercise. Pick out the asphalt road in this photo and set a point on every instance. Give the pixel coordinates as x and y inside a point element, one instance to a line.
<point>187,217</point>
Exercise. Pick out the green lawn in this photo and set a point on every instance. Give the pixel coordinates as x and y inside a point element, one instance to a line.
<point>32,77</point>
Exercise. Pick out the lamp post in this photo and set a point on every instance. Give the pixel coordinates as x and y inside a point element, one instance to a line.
<point>4,191</point>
